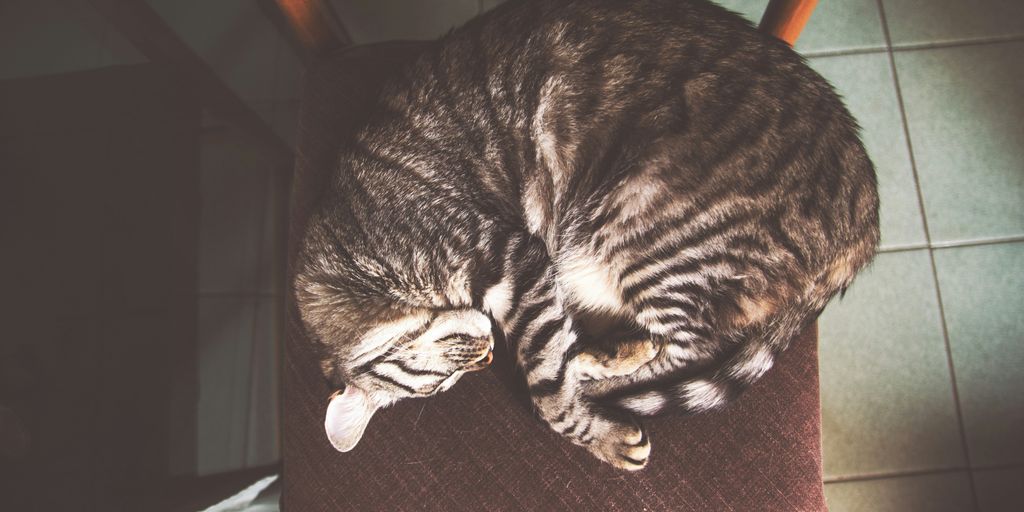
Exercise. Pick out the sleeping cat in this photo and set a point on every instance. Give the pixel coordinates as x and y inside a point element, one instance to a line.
<point>657,164</point>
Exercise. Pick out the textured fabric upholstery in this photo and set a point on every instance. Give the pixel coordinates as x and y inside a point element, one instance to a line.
<point>479,446</point>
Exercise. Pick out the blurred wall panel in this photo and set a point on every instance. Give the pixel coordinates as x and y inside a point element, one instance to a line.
<point>100,195</point>
<point>54,36</point>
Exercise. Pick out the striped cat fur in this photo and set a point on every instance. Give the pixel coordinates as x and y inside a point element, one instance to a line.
<point>658,166</point>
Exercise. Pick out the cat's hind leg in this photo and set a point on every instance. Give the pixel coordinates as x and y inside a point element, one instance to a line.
<point>547,343</point>
<point>615,437</point>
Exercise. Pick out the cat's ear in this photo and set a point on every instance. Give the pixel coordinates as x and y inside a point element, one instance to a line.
<point>347,416</point>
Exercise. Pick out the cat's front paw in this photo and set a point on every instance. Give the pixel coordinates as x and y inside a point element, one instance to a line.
<point>623,444</point>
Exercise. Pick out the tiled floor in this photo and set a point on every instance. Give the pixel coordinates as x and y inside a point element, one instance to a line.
<point>922,363</point>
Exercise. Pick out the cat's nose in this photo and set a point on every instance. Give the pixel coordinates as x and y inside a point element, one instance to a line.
<point>483,362</point>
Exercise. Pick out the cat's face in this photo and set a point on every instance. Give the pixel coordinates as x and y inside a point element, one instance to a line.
<point>414,355</point>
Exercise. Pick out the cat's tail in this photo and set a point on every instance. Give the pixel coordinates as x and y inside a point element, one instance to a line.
<point>754,351</point>
<point>752,345</point>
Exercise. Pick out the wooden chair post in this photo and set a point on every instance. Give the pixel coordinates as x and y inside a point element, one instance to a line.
<point>785,19</point>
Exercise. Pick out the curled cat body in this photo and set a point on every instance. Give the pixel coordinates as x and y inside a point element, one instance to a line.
<point>659,165</point>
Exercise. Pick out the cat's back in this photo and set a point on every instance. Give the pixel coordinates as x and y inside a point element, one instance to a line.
<point>550,36</point>
<point>683,90</point>
<point>554,103</point>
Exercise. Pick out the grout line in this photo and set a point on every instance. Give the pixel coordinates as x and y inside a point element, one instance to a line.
<point>952,244</point>
<point>902,248</point>
<point>824,54</point>
<point>931,251</point>
<point>867,477</point>
<point>277,211</point>
<point>280,209</point>
<point>843,52</point>
<point>973,243</point>
<point>862,477</point>
<point>953,44</point>
<point>268,197</point>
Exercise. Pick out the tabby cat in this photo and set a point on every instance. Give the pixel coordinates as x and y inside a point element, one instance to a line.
<point>657,164</point>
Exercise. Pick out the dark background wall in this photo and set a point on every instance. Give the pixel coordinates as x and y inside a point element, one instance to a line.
<point>100,227</point>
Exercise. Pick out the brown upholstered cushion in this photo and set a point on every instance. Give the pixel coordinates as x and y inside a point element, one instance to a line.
<point>478,446</point>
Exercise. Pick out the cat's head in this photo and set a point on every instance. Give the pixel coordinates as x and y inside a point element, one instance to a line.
<point>416,355</point>
<point>381,353</point>
<point>383,329</point>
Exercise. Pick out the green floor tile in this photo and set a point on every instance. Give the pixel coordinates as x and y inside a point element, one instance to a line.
<point>866,84</point>
<point>833,26</point>
<point>983,294</point>
<point>1000,490</point>
<point>964,110</point>
<point>943,492</point>
<point>935,21</point>
<point>887,399</point>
